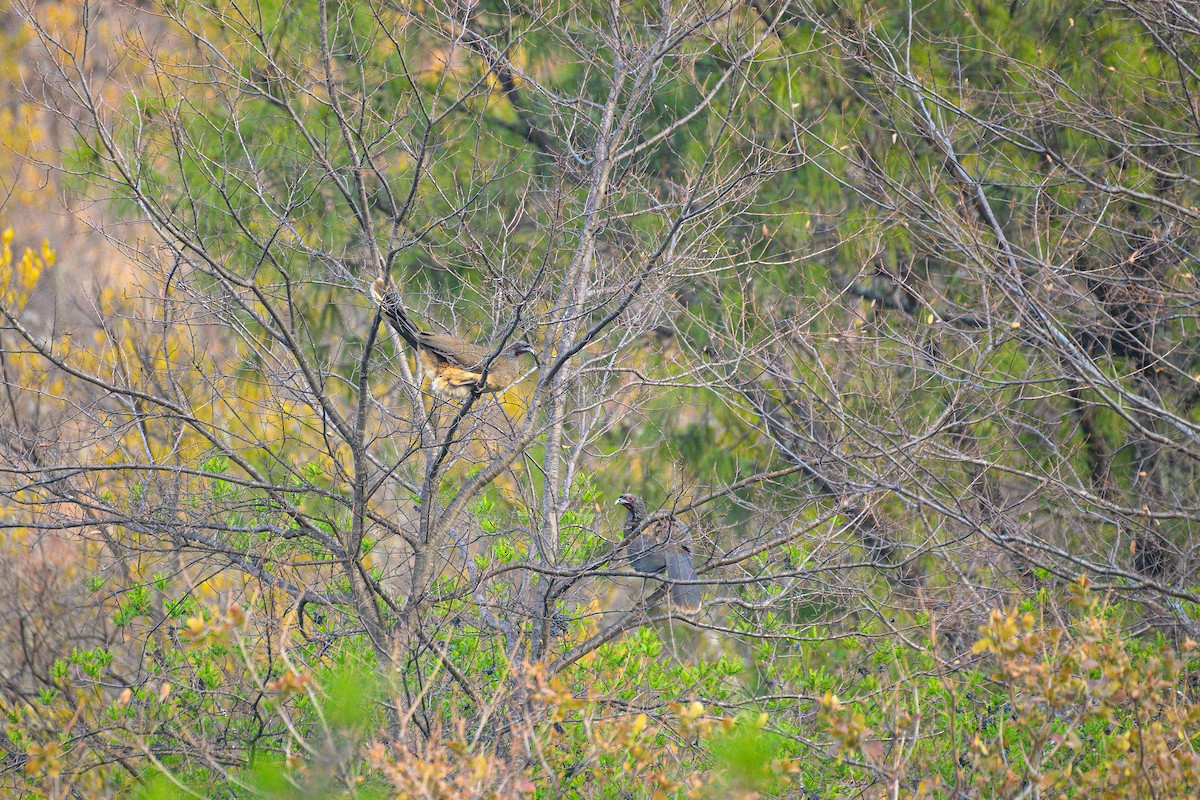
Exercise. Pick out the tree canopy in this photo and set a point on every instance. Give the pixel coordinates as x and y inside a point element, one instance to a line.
<point>891,307</point>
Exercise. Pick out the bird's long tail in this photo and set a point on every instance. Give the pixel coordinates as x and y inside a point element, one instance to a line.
<point>680,568</point>
<point>393,311</point>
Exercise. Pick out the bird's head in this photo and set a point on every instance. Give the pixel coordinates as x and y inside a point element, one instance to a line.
<point>517,349</point>
<point>632,502</point>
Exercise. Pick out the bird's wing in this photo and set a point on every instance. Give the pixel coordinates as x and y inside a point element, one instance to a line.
<point>646,555</point>
<point>455,351</point>
<point>677,532</point>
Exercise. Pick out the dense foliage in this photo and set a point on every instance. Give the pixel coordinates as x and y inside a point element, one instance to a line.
<point>894,306</point>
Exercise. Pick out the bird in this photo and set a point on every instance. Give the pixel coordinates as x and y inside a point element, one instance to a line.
<point>663,548</point>
<point>455,366</point>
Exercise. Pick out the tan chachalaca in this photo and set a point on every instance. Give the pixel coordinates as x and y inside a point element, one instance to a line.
<point>662,548</point>
<point>454,365</point>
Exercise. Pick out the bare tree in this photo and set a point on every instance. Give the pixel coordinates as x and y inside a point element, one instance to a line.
<point>898,312</point>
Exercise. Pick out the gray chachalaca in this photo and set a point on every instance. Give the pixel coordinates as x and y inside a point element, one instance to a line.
<point>663,548</point>
<point>454,365</point>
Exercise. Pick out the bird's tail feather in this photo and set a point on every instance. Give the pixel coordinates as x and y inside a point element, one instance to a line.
<point>680,568</point>
<point>393,311</point>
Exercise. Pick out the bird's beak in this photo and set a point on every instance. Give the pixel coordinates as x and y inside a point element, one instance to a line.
<point>620,501</point>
